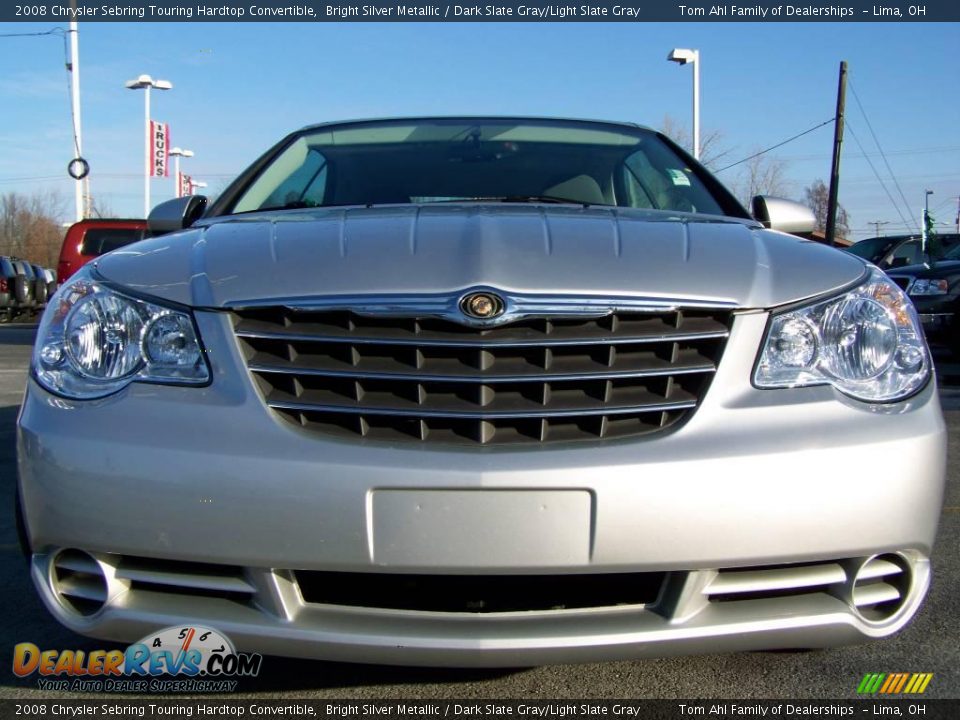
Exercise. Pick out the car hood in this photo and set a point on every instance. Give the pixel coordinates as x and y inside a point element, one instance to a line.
<point>283,257</point>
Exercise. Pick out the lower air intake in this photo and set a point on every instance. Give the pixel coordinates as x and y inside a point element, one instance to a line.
<point>79,582</point>
<point>880,587</point>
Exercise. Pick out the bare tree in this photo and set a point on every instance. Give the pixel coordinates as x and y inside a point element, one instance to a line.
<point>713,149</point>
<point>817,197</point>
<point>761,175</point>
<point>100,208</point>
<point>30,227</point>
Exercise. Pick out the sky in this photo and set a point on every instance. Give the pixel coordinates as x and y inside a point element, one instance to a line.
<point>240,87</point>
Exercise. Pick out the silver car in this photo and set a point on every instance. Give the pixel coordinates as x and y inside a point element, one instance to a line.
<point>481,392</point>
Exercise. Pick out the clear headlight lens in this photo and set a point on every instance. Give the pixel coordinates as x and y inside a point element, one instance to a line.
<point>94,341</point>
<point>929,287</point>
<point>867,343</point>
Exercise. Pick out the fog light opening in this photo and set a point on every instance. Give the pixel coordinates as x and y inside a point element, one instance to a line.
<point>881,586</point>
<point>78,582</point>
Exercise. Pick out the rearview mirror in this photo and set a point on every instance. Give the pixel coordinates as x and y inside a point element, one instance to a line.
<point>784,215</point>
<point>176,214</point>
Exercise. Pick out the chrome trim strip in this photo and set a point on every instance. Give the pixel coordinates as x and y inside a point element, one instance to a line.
<point>539,377</point>
<point>185,579</point>
<point>481,415</point>
<point>516,305</point>
<point>778,578</point>
<point>478,344</point>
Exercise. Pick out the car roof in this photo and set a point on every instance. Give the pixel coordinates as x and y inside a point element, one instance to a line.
<point>475,119</point>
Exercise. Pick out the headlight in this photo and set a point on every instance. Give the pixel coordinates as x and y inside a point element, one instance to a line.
<point>867,343</point>
<point>94,341</point>
<point>929,287</point>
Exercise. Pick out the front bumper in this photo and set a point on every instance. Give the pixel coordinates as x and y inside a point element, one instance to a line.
<point>754,479</point>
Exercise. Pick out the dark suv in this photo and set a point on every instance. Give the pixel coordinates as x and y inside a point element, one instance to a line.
<point>896,251</point>
<point>934,288</point>
<point>13,290</point>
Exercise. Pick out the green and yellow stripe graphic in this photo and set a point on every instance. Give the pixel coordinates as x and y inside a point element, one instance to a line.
<point>894,683</point>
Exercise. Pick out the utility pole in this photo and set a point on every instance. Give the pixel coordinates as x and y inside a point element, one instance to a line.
<point>876,224</point>
<point>831,229</point>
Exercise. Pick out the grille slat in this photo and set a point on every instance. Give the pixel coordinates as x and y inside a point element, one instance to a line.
<point>476,414</point>
<point>544,341</point>
<point>536,379</point>
<point>504,371</point>
<point>358,330</point>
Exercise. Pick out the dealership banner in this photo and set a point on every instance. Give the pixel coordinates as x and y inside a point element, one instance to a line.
<point>186,185</point>
<point>760,11</point>
<point>159,149</point>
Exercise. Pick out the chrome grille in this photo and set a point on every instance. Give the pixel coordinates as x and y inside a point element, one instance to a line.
<point>433,379</point>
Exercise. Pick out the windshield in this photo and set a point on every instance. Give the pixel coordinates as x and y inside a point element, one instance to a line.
<point>873,249</point>
<point>464,160</point>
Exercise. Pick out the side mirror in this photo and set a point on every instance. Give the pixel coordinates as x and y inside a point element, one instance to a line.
<point>784,215</point>
<point>176,214</point>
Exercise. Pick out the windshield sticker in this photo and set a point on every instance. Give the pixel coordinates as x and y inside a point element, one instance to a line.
<point>678,177</point>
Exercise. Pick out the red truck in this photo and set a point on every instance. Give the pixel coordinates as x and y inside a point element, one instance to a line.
<point>89,238</point>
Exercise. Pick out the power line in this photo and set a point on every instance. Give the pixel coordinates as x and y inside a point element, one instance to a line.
<point>55,31</point>
<point>849,156</point>
<point>31,179</point>
<point>877,175</point>
<point>774,147</point>
<point>877,142</point>
<point>948,201</point>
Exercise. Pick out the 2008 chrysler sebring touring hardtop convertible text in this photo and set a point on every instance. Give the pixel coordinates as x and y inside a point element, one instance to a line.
<point>481,391</point>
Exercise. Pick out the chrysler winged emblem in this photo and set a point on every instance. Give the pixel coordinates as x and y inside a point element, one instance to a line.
<point>481,305</point>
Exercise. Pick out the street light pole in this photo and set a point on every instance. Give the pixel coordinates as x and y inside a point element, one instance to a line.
<point>683,56</point>
<point>75,107</point>
<point>696,104</point>
<point>926,215</point>
<point>176,154</point>
<point>147,150</point>
<point>146,83</point>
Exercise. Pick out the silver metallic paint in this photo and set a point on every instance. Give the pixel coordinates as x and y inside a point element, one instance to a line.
<point>292,257</point>
<point>211,475</point>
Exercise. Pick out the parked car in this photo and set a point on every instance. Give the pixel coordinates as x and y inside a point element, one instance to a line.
<point>895,251</point>
<point>40,285</point>
<point>935,291</point>
<point>27,303</point>
<point>480,392</point>
<point>51,277</point>
<point>12,289</point>
<point>93,237</point>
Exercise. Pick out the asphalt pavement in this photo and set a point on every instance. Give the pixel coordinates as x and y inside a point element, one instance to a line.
<point>931,643</point>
